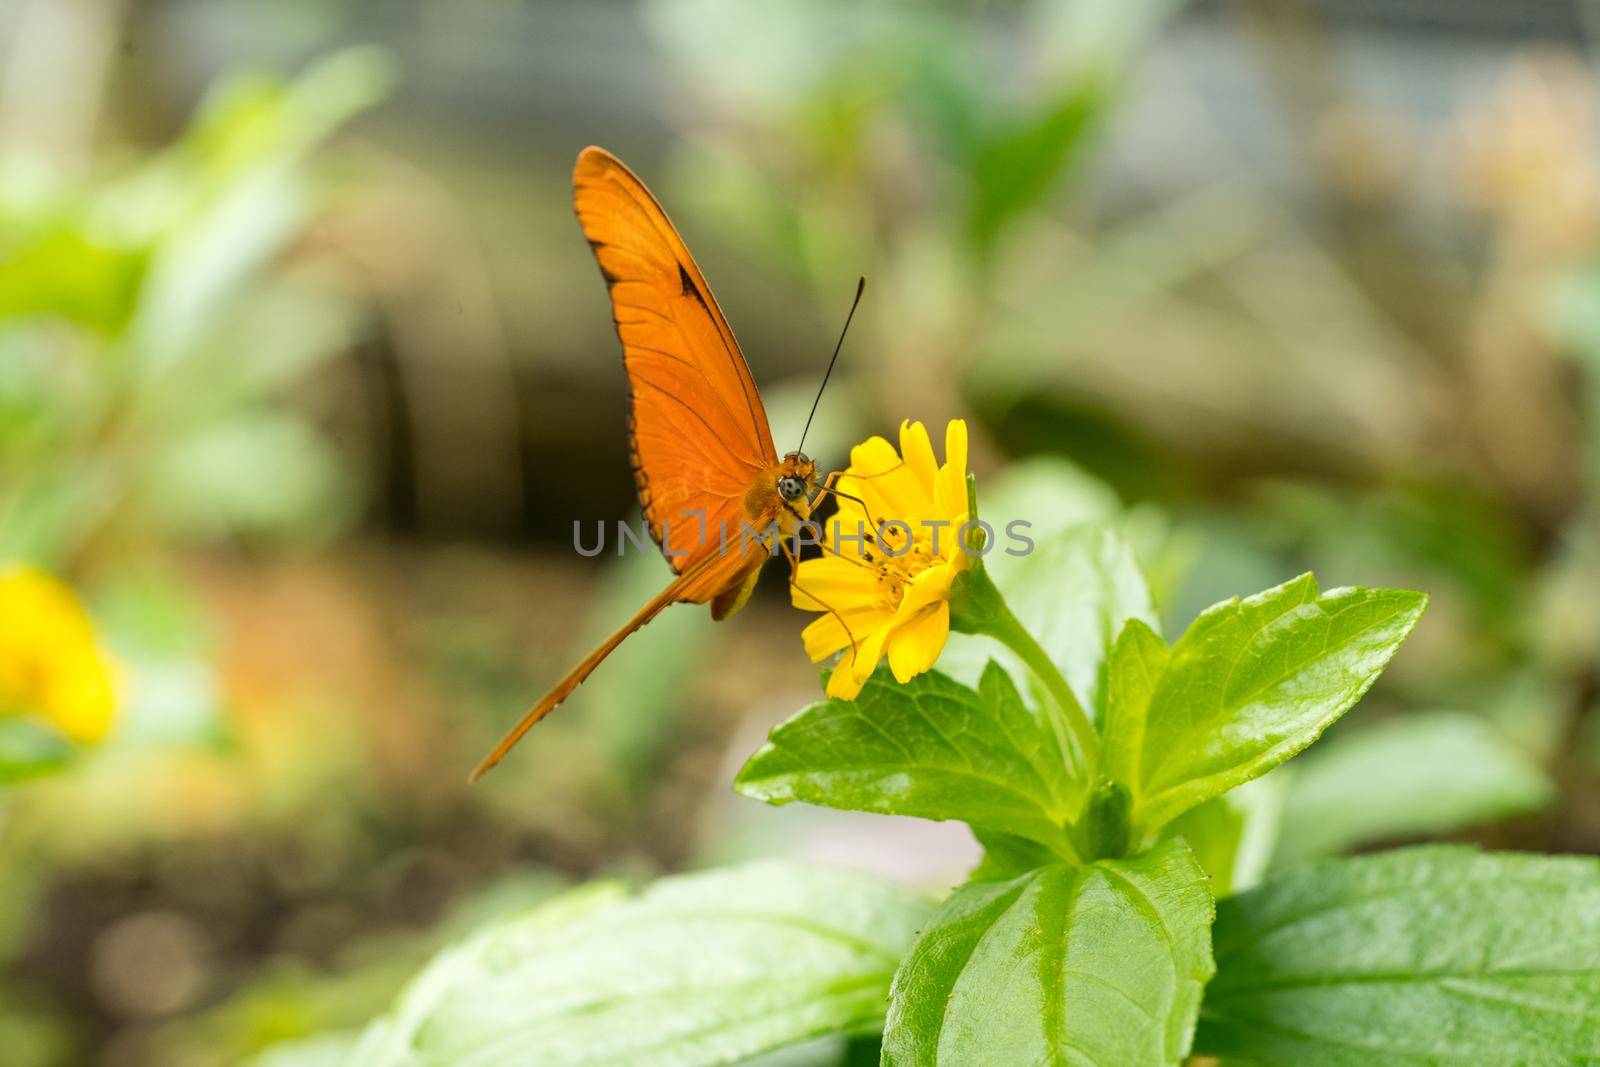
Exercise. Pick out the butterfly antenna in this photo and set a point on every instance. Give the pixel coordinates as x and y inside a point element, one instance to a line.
<point>861,287</point>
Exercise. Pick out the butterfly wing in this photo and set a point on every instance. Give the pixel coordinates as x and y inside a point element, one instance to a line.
<point>698,435</point>
<point>698,432</point>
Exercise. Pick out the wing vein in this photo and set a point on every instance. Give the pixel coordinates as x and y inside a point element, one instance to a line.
<point>697,368</point>
<point>681,402</point>
<point>718,319</point>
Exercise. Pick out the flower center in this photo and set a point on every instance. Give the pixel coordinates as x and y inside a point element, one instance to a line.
<point>896,564</point>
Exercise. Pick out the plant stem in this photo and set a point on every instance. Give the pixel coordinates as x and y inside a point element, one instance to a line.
<point>1004,627</point>
<point>978,607</point>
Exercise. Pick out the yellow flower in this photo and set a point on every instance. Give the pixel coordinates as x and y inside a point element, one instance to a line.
<point>885,576</point>
<point>51,665</point>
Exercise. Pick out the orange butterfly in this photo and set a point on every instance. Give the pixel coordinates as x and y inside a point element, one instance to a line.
<point>701,450</point>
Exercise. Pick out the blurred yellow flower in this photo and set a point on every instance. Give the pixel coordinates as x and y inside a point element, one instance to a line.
<point>886,575</point>
<point>51,666</point>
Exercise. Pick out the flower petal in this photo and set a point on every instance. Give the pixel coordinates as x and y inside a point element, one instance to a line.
<point>929,587</point>
<point>950,488</point>
<point>917,448</point>
<point>888,485</point>
<point>915,646</point>
<point>873,455</point>
<point>848,532</point>
<point>823,636</point>
<point>842,684</point>
<point>957,556</point>
<point>866,657</point>
<point>827,634</point>
<point>832,583</point>
<point>51,665</point>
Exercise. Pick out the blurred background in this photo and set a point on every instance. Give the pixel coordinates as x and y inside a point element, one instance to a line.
<point>306,373</point>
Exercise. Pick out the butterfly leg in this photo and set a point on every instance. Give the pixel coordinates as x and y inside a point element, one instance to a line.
<point>877,532</point>
<point>794,580</point>
<point>867,477</point>
<point>865,559</point>
<point>829,486</point>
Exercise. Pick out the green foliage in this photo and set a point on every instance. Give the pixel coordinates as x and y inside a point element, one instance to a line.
<point>1137,663</point>
<point>1234,835</point>
<point>1427,957</point>
<point>159,318</point>
<point>697,970</point>
<point>1073,592</point>
<point>931,748</point>
<point>1101,964</point>
<point>1010,151</point>
<point>1106,825</point>
<point>30,749</point>
<point>1006,855</point>
<point>1085,934</point>
<point>150,332</point>
<point>197,490</point>
<point>1424,773</point>
<point>1012,171</point>
<point>60,271</point>
<point>1250,684</point>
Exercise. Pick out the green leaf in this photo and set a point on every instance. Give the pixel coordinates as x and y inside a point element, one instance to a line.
<point>1427,957</point>
<point>67,273</point>
<point>1250,684</point>
<point>1137,661</point>
<point>1006,855</point>
<point>1073,593</point>
<point>699,969</point>
<point>1424,773</point>
<point>1011,173</point>
<point>1101,965</point>
<point>931,748</point>
<point>1233,835</point>
<point>30,749</point>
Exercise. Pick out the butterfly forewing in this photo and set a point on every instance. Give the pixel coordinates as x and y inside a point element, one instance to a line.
<point>698,435</point>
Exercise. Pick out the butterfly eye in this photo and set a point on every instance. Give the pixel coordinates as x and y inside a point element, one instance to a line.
<point>790,488</point>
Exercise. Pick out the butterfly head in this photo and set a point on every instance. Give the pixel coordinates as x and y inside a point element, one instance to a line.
<point>796,475</point>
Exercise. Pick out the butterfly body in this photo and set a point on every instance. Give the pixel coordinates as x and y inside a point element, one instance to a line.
<point>716,496</point>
